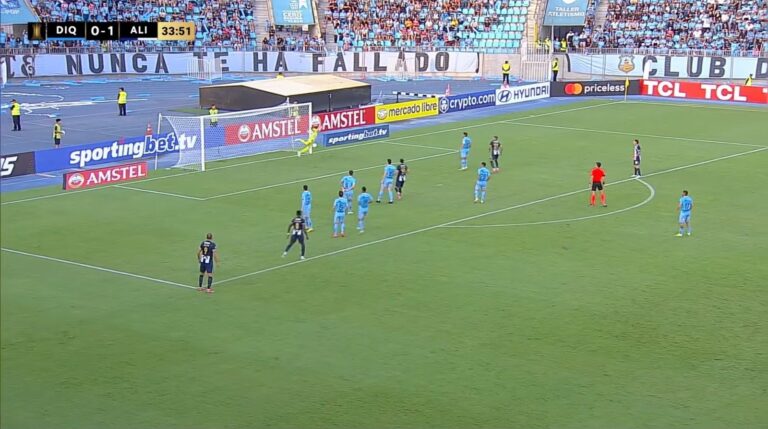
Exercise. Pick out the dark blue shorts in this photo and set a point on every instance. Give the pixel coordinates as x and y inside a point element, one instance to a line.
<point>206,267</point>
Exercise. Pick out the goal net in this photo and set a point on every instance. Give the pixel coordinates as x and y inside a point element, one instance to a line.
<point>203,139</point>
<point>403,67</point>
<point>205,69</point>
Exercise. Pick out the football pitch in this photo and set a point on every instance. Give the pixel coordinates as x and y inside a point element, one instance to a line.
<point>532,310</point>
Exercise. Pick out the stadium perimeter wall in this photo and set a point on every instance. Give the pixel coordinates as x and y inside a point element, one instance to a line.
<point>362,65</point>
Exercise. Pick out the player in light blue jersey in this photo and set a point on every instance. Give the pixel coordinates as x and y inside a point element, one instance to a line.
<point>466,144</point>
<point>306,207</point>
<point>363,201</point>
<point>685,205</point>
<point>483,176</point>
<point>339,212</point>
<point>348,187</point>
<point>387,180</point>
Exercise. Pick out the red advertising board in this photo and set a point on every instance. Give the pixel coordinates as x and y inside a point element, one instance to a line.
<point>105,176</point>
<point>351,118</point>
<point>256,131</point>
<point>705,91</point>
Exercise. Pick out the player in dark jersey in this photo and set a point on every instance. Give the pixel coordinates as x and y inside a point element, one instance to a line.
<point>298,232</point>
<point>495,152</point>
<point>636,157</point>
<point>207,256</point>
<point>402,172</point>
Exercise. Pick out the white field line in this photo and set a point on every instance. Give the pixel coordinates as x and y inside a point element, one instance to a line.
<point>411,136</point>
<point>465,219</point>
<point>651,195</point>
<point>94,267</point>
<point>324,176</point>
<point>423,146</point>
<point>167,194</point>
<point>695,105</point>
<point>621,133</point>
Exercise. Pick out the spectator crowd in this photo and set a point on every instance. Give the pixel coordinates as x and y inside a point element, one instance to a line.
<point>426,24</point>
<point>735,26</point>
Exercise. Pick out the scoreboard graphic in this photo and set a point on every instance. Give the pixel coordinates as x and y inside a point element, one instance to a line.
<point>108,31</point>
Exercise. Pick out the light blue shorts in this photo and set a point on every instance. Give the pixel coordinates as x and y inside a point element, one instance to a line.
<point>685,217</point>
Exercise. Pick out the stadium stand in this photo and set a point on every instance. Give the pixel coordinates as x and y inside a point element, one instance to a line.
<point>736,27</point>
<point>221,24</point>
<point>427,24</point>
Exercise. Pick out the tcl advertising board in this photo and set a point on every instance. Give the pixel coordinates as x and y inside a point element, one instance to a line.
<point>105,176</point>
<point>705,91</point>
<point>342,119</point>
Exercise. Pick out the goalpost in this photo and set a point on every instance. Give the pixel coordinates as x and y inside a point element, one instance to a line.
<point>202,139</point>
<point>205,69</point>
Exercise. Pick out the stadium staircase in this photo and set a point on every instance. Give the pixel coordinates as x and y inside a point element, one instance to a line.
<point>536,10</point>
<point>601,13</point>
<point>326,29</point>
<point>262,14</point>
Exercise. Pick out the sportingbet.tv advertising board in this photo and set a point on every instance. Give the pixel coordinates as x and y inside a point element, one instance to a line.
<point>108,152</point>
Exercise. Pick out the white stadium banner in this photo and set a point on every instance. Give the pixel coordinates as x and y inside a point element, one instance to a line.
<point>683,67</point>
<point>29,66</point>
<point>519,94</point>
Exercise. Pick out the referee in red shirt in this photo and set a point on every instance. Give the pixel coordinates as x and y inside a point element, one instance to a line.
<point>598,183</point>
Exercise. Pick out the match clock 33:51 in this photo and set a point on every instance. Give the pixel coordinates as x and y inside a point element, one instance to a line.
<point>176,31</point>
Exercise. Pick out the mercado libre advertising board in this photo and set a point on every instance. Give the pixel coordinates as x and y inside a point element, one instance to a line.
<point>407,110</point>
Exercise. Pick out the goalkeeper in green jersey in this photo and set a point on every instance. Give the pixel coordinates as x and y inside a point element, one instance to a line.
<point>309,143</point>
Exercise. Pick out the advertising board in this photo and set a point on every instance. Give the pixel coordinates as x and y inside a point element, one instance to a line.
<point>251,132</point>
<point>407,110</point>
<point>460,102</point>
<point>356,135</point>
<point>342,119</point>
<point>595,88</point>
<point>522,93</point>
<point>105,176</point>
<point>17,164</point>
<point>705,91</point>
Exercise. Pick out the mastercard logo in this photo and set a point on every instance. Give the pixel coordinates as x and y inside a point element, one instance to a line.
<point>574,89</point>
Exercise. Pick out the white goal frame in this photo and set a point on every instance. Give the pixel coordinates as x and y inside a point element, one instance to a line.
<point>195,127</point>
<point>204,69</point>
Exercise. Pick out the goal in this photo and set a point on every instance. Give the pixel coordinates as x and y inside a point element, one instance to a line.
<point>203,139</point>
<point>402,67</point>
<point>204,69</point>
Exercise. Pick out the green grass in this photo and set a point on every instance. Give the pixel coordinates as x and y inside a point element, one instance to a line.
<point>603,322</point>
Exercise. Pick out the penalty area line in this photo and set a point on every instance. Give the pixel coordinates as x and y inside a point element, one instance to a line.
<point>96,268</point>
<point>477,216</point>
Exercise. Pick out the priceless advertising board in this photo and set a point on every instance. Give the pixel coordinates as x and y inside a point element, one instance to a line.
<point>666,66</point>
<point>170,63</point>
<point>356,135</point>
<point>17,164</point>
<point>594,88</point>
<point>257,131</point>
<point>292,12</point>
<point>519,94</point>
<point>407,110</point>
<point>81,156</point>
<point>474,100</point>
<point>566,12</point>
<point>342,119</point>
<point>705,91</point>
<point>105,176</point>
